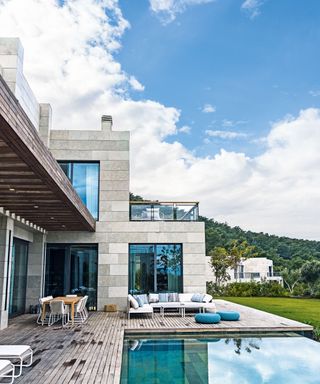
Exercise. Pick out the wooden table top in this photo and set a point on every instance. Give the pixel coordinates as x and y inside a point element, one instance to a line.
<point>67,300</point>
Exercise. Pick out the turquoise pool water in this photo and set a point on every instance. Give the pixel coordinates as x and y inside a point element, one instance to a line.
<point>280,359</point>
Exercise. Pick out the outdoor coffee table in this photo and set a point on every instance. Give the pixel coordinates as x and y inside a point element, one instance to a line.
<point>171,306</point>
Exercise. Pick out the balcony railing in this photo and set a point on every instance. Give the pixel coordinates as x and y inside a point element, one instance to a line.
<point>247,275</point>
<point>274,274</point>
<point>163,211</point>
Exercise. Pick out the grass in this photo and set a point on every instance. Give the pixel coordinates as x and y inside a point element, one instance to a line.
<point>303,310</point>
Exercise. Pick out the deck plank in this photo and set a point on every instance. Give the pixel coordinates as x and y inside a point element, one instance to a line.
<point>92,352</point>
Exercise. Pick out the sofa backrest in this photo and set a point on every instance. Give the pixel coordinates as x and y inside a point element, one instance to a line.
<point>185,297</point>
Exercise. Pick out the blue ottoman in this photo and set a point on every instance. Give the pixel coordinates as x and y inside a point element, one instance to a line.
<point>207,318</point>
<point>229,315</point>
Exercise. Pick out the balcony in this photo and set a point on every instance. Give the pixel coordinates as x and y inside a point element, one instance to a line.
<point>247,275</point>
<point>163,211</point>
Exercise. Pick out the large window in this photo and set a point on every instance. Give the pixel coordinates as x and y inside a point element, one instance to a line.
<point>155,268</point>
<point>85,180</point>
<point>72,269</point>
<point>18,284</point>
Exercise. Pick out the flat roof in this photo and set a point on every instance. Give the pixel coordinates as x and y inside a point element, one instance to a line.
<point>32,183</point>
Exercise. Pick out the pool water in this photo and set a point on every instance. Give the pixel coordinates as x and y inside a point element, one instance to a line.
<point>289,359</point>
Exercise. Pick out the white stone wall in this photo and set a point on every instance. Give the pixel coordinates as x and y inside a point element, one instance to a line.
<point>114,231</point>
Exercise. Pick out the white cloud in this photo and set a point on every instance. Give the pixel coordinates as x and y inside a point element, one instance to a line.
<point>185,129</point>
<point>208,108</point>
<point>167,10</point>
<point>135,84</point>
<point>252,7</point>
<point>231,123</point>
<point>73,67</point>
<point>225,134</point>
<point>315,93</point>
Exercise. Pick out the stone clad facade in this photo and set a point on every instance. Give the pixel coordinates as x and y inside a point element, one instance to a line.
<point>114,230</point>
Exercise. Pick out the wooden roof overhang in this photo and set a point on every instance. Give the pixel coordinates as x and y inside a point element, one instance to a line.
<point>32,184</point>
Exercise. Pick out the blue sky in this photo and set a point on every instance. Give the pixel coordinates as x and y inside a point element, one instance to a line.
<point>254,71</point>
<point>221,97</point>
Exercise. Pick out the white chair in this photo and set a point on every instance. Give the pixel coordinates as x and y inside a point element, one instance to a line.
<point>22,353</point>
<point>81,314</point>
<point>58,310</point>
<point>46,318</point>
<point>7,370</point>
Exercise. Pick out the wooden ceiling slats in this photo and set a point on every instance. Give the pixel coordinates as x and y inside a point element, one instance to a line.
<point>32,184</point>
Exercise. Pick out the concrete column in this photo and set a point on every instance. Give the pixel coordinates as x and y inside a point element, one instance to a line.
<point>45,123</point>
<point>36,265</point>
<point>6,238</point>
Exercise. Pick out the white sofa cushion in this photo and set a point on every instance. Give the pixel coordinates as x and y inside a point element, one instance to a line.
<point>133,302</point>
<point>153,298</point>
<point>207,298</point>
<point>146,308</point>
<point>185,297</point>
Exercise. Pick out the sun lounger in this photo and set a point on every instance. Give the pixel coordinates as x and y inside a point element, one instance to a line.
<point>22,354</point>
<point>6,370</point>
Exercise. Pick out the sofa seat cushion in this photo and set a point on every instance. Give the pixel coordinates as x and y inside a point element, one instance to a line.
<point>146,308</point>
<point>169,304</point>
<point>207,318</point>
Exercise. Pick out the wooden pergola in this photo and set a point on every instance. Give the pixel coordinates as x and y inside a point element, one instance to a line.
<point>32,184</point>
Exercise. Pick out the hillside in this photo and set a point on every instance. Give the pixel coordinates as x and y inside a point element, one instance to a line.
<point>284,251</point>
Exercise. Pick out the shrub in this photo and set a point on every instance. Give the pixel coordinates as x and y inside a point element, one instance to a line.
<point>271,289</point>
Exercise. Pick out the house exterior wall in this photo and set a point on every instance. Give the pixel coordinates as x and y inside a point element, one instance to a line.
<point>11,69</point>
<point>114,230</point>
<point>11,228</point>
<point>254,265</point>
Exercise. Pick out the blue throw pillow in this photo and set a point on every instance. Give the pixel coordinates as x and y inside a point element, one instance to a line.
<point>163,297</point>
<point>141,299</point>
<point>197,297</point>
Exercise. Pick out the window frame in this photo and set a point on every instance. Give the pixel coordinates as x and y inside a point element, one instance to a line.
<point>71,180</point>
<point>155,264</point>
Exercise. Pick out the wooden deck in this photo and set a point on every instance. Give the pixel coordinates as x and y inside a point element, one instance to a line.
<point>91,353</point>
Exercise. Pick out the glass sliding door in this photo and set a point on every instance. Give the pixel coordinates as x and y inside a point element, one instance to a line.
<point>18,282</point>
<point>72,268</point>
<point>169,268</point>
<point>142,276</point>
<point>155,268</point>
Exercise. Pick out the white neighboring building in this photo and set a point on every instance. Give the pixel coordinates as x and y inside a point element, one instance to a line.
<point>254,269</point>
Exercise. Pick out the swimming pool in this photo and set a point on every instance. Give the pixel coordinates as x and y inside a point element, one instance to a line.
<point>242,359</point>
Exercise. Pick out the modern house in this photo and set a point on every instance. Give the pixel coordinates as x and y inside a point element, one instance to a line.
<point>67,224</point>
<point>256,269</point>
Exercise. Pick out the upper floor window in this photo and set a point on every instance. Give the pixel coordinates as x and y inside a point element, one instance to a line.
<point>85,180</point>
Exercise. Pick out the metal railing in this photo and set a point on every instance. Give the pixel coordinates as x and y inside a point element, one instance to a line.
<point>274,274</point>
<point>163,211</point>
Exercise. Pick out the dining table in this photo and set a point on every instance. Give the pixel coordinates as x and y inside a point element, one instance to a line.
<point>72,301</point>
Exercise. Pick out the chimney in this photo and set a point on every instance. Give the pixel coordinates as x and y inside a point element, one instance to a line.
<point>106,122</point>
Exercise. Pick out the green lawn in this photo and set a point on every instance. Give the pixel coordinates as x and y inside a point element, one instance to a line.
<point>304,310</point>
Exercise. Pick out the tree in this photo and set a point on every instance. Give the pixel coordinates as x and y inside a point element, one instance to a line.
<point>220,262</point>
<point>310,274</point>
<point>135,197</point>
<point>238,251</point>
<point>291,278</point>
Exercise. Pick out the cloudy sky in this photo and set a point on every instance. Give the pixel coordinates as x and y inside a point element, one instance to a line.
<point>221,96</point>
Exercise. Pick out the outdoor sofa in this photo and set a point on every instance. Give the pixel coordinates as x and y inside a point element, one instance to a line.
<point>181,301</point>
<point>7,370</point>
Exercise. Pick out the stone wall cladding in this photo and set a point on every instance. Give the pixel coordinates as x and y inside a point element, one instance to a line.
<point>114,231</point>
